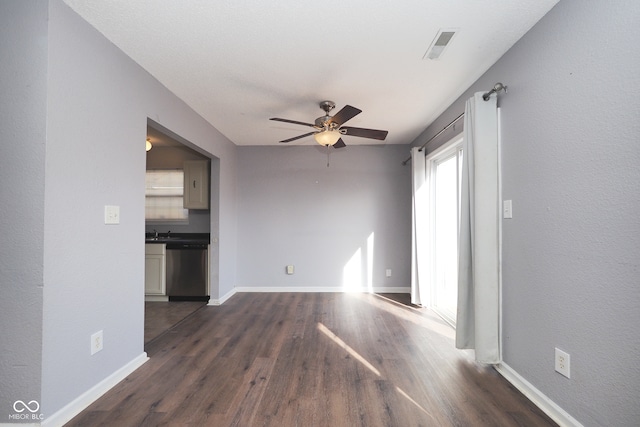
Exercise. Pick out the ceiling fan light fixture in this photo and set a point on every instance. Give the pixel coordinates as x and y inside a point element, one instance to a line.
<point>327,137</point>
<point>148,145</point>
<point>328,130</point>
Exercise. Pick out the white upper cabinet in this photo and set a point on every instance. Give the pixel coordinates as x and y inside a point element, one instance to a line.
<point>196,184</point>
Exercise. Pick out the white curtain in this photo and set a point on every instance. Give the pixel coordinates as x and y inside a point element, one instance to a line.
<point>419,295</point>
<point>478,320</point>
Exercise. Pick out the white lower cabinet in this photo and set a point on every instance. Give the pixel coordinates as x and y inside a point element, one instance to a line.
<point>154,269</point>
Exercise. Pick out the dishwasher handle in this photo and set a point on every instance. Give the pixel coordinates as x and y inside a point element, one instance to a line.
<point>186,246</point>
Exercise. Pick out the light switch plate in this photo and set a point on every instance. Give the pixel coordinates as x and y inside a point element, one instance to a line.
<point>507,209</point>
<point>111,214</point>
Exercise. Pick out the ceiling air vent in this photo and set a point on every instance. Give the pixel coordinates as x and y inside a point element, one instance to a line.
<point>441,41</point>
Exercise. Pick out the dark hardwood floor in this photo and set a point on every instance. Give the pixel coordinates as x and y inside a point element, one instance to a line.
<point>311,359</point>
<point>161,316</point>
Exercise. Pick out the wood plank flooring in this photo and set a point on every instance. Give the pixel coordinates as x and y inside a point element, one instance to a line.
<point>159,316</point>
<point>311,359</point>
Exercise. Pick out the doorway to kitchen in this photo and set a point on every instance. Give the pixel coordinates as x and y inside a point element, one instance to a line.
<point>178,216</point>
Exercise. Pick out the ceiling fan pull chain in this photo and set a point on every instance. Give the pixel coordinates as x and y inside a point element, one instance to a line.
<point>328,152</point>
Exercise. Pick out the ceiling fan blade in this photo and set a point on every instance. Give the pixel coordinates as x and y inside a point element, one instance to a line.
<point>365,133</point>
<point>339,144</point>
<point>297,137</point>
<point>292,121</point>
<point>347,113</point>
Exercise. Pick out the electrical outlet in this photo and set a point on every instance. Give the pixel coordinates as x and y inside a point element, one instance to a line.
<point>96,342</point>
<point>388,272</point>
<point>290,269</point>
<point>563,363</point>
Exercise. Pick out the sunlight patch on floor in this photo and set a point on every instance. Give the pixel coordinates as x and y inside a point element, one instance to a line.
<point>348,349</point>
<point>434,324</point>
<point>322,328</point>
<point>403,393</point>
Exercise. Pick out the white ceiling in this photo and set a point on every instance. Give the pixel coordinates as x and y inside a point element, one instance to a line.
<point>239,62</point>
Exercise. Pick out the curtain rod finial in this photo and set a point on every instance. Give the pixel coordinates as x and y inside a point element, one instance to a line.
<point>498,87</point>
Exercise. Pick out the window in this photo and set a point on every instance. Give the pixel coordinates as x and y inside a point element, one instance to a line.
<point>164,196</point>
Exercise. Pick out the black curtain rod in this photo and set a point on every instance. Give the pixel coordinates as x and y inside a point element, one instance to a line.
<point>498,87</point>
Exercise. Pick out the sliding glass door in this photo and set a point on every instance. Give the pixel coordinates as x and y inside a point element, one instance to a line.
<point>443,170</point>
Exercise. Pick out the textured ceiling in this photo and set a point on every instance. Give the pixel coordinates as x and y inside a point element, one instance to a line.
<point>238,63</point>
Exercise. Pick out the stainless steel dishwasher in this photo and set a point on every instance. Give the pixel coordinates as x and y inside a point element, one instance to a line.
<point>187,272</point>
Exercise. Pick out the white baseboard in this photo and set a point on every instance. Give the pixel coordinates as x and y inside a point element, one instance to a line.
<point>392,290</point>
<point>548,406</point>
<point>385,289</point>
<point>382,289</point>
<point>156,298</point>
<point>77,405</point>
<point>20,425</point>
<point>221,300</point>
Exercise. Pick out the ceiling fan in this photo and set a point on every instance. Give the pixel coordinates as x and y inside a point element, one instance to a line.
<point>329,130</point>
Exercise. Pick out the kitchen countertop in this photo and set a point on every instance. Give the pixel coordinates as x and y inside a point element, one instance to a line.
<point>178,238</point>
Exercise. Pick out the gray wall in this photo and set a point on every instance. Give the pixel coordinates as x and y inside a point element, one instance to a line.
<point>293,209</point>
<point>570,159</point>
<point>23,49</point>
<point>74,111</point>
<point>92,270</point>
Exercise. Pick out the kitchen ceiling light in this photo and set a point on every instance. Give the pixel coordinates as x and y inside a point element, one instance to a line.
<point>148,145</point>
<point>327,137</point>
